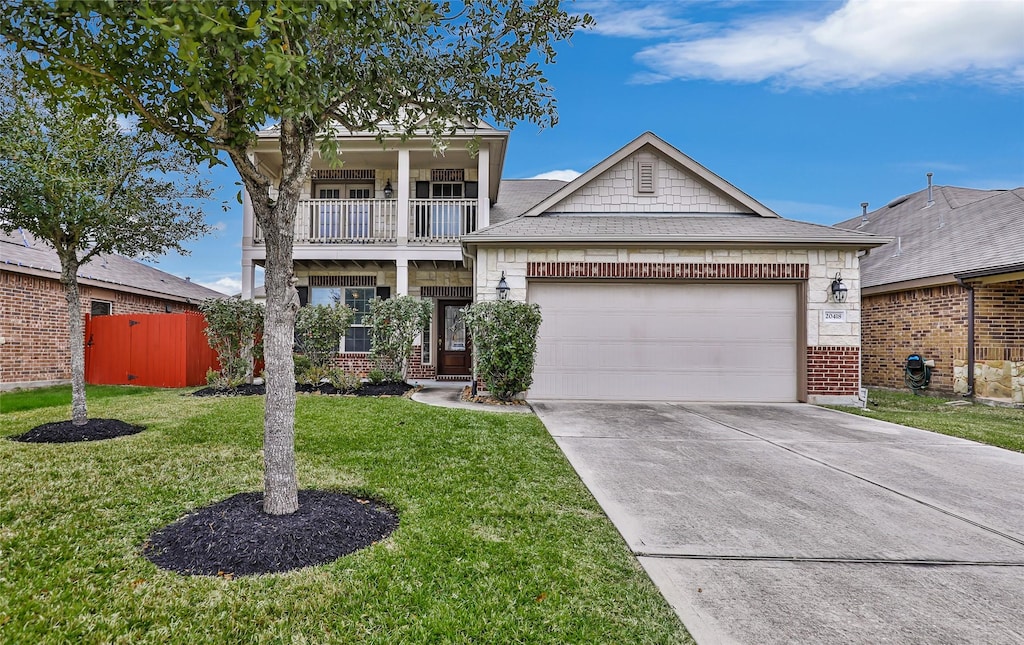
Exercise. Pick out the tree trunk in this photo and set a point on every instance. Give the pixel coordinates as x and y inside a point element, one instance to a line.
<point>69,280</point>
<point>277,219</point>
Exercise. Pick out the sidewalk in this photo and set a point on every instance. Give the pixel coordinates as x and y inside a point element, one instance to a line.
<point>447,394</point>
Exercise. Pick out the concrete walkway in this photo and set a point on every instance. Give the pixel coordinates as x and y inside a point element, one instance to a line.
<point>795,524</point>
<point>448,395</point>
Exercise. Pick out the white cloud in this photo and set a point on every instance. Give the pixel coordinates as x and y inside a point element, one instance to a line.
<point>219,226</point>
<point>633,20</point>
<point>228,284</point>
<point>863,43</point>
<point>561,175</point>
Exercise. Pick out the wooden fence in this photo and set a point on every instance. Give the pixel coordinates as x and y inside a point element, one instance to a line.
<point>155,350</point>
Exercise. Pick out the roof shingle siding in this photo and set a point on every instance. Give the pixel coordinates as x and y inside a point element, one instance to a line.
<point>637,227</point>
<point>964,230</point>
<point>516,196</point>
<point>112,269</point>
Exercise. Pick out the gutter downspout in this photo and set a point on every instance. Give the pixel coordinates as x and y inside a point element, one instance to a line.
<point>970,336</point>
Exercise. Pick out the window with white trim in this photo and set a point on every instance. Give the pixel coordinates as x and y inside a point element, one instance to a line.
<point>357,339</point>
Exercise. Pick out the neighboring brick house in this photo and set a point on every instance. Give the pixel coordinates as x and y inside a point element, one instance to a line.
<point>657,279</point>
<point>949,287</point>
<point>33,312</point>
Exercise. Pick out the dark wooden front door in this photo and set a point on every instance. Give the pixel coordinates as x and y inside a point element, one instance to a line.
<point>453,346</point>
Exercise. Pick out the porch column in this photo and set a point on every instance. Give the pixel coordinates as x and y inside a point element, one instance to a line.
<point>248,277</point>
<point>402,286</point>
<point>403,198</point>
<point>248,219</point>
<point>483,161</point>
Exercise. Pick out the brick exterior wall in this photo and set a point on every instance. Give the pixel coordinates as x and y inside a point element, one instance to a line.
<point>833,371</point>
<point>34,324</point>
<point>360,364</point>
<point>931,322</point>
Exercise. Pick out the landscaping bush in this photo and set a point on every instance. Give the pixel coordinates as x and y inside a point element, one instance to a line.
<point>394,325</point>
<point>234,329</point>
<point>319,330</point>
<point>505,341</point>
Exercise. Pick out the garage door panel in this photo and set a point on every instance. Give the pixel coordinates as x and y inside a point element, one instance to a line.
<point>690,342</point>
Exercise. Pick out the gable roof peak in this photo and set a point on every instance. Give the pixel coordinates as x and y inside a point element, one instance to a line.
<point>666,151</point>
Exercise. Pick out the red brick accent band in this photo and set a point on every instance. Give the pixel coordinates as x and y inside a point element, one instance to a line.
<point>833,370</point>
<point>667,270</point>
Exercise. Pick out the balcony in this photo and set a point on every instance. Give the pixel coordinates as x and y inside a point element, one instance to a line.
<point>376,221</point>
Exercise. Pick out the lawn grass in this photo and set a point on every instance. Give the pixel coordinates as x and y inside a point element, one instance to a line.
<point>45,397</point>
<point>499,541</point>
<point>995,426</point>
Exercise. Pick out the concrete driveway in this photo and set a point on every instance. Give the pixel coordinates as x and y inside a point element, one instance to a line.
<point>794,524</point>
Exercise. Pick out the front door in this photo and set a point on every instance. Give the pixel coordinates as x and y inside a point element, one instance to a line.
<point>453,346</point>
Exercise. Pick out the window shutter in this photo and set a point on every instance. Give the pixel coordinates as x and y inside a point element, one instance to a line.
<point>472,190</point>
<point>383,292</point>
<point>645,177</point>
<point>303,295</point>
<point>423,190</point>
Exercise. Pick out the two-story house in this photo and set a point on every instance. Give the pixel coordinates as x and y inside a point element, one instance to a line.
<point>657,279</point>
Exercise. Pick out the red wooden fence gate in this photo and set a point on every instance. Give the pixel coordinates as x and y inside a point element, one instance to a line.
<point>156,350</point>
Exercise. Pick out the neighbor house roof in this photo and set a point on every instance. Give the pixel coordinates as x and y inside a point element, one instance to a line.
<point>747,230</point>
<point>23,253</point>
<point>963,233</point>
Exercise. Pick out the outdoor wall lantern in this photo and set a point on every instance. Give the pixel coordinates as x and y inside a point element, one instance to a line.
<point>388,190</point>
<point>503,288</point>
<point>838,289</point>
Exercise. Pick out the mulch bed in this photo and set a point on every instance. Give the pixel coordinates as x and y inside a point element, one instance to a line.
<point>467,395</point>
<point>384,389</point>
<point>236,538</point>
<point>67,432</point>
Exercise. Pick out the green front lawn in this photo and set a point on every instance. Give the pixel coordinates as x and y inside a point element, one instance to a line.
<point>499,541</point>
<point>46,397</point>
<point>1003,427</point>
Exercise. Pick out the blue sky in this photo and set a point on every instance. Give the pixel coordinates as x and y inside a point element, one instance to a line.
<point>809,107</point>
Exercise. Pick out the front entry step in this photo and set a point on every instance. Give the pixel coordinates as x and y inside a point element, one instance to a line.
<point>454,377</point>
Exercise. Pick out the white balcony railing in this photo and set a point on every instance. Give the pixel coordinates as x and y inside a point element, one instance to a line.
<point>375,221</point>
<point>441,221</point>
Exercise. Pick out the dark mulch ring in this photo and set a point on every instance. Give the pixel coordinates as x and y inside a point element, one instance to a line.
<point>236,538</point>
<point>467,395</point>
<point>67,432</point>
<point>384,389</point>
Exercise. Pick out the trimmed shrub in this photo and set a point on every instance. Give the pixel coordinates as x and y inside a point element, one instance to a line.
<point>319,330</point>
<point>505,342</point>
<point>234,329</point>
<point>394,324</point>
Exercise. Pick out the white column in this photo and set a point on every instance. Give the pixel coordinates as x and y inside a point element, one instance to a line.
<point>483,213</point>
<point>248,219</point>
<point>402,266</point>
<point>248,277</point>
<point>403,197</point>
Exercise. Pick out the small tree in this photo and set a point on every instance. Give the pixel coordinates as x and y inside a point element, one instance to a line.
<point>87,187</point>
<point>394,324</point>
<point>319,330</point>
<point>234,329</point>
<point>505,341</point>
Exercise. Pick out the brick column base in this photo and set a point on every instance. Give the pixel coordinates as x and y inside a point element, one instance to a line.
<point>833,375</point>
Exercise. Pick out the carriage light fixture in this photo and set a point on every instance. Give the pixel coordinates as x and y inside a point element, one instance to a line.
<point>838,290</point>
<point>503,288</point>
<point>388,190</point>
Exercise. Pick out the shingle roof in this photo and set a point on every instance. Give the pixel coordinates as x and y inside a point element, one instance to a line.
<point>964,230</point>
<point>749,229</point>
<point>516,196</point>
<point>112,269</point>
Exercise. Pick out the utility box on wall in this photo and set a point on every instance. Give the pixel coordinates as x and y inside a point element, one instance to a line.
<point>153,350</point>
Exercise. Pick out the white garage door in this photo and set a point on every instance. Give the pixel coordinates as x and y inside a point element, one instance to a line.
<point>673,342</point>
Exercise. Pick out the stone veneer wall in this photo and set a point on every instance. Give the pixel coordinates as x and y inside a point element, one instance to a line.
<point>825,341</point>
<point>34,325</point>
<point>677,191</point>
